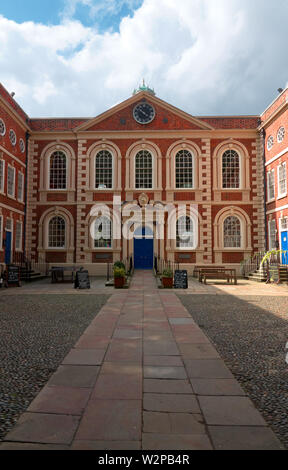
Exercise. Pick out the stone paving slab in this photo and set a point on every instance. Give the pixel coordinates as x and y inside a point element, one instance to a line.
<point>158,441</point>
<point>143,375</point>
<point>111,420</point>
<point>237,411</point>
<point>44,429</point>
<point>167,386</point>
<point>173,423</point>
<point>75,376</point>
<point>243,438</point>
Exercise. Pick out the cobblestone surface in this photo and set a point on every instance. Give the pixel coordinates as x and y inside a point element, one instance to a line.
<point>251,333</point>
<point>37,332</point>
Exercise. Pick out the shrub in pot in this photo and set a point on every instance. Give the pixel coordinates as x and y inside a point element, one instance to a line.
<point>167,278</point>
<point>119,277</point>
<point>119,264</point>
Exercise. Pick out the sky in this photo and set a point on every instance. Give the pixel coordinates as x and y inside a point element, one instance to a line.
<point>65,58</point>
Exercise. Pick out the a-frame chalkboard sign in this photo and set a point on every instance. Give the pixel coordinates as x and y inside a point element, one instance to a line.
<point>82,280</point>
<point>12,276</point>
<point>180,279</point>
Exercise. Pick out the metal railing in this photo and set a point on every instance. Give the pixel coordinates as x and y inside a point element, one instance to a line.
<point>129,267</point>
<point>30,264</point>
<point>252,264</point>
<point>161,264</point>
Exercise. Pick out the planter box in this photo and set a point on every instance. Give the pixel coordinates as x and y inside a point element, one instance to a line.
<point>119,282</point>
<point>167,282</point>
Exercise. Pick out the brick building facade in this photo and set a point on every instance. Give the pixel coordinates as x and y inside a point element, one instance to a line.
<point>148,153</point>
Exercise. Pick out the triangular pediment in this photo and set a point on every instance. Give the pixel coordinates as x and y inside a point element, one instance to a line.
<point>120,117</point>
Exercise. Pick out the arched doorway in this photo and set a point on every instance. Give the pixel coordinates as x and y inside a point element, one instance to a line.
<point>143,248</point>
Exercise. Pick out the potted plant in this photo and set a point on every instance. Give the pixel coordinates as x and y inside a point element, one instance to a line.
<point>119,277</point>
<point>167,278</point>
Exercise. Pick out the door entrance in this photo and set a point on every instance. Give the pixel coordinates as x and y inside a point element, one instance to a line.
<point>143,248</point>
<point>8,240</point>
<point>284,247</point>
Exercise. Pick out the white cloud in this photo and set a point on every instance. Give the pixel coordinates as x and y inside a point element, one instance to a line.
<point>204,56</point>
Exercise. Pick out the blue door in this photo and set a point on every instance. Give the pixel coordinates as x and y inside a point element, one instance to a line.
<point>284,246</point>
<point>143,250</point>
<point>8,247</point>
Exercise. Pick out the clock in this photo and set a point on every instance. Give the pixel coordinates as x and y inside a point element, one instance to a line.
<point>144,113</point>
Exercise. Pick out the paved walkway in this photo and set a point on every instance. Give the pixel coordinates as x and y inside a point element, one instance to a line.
<point>142,376</point>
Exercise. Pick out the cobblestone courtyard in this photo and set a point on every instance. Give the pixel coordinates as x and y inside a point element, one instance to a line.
<point>143,374</point>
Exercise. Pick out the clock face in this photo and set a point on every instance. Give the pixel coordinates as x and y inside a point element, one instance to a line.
<point>144,113</point>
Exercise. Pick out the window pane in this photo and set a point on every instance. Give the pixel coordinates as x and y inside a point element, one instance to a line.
<point>58,170</point>
<point>1,175</point>
<point>272,235</point>
<point>282,179</point>
<point>271,185</point>
<point>103,169</point>
<point>10,181</point>
<point>184,233</point>
<point>20,187</point>
<point>102,233</point>
<point>232,232</point>
<point>56,236</point>
<point>184,169</point>
<point>143,170</point>
<point>18,237</point>
<point>230,170</point>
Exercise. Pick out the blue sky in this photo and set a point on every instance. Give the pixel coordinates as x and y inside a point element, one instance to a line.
<point>107,13</point>
<point>81,57</point>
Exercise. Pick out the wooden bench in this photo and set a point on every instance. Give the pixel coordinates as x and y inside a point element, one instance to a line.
<point>227,274</point>
<point>197,269</point>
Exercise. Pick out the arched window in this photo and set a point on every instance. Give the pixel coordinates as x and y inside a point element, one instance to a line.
<point>58,170</point>
<point>143,170</point>
<point>57,232</point>
<point>185,233</point>
<point>103,170</point>
<point>232,232</point>
<point>184,169</point>
<point>230,170</point>
<point>102,233</point>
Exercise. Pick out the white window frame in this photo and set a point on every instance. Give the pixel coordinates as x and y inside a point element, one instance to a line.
<point>22,145</point>
<point>233,248</point>
<point>48,240</point>
<point>191,247</point>
<point>153,168</point>
<point>272,247</point>
<point>240,170</point>
<point>15,135</point>
<point>270,143</point>
<point>101,248</point>
<point>20,177</point>
<point>4,131</point>
<point>281,132</point>
<point>2,183</point>
<point>18,223</point>
<point>193,170</point>
<point>113,171</point>
<point>269,198</point>
<point>49,169</point>
<point>14,170</point>
<point>280,195</point>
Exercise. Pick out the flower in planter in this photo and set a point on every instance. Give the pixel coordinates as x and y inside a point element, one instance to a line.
<point>168,273</point>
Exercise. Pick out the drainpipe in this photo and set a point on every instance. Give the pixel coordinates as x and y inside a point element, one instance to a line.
<point>263,135</point>
<point>25,190</point>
